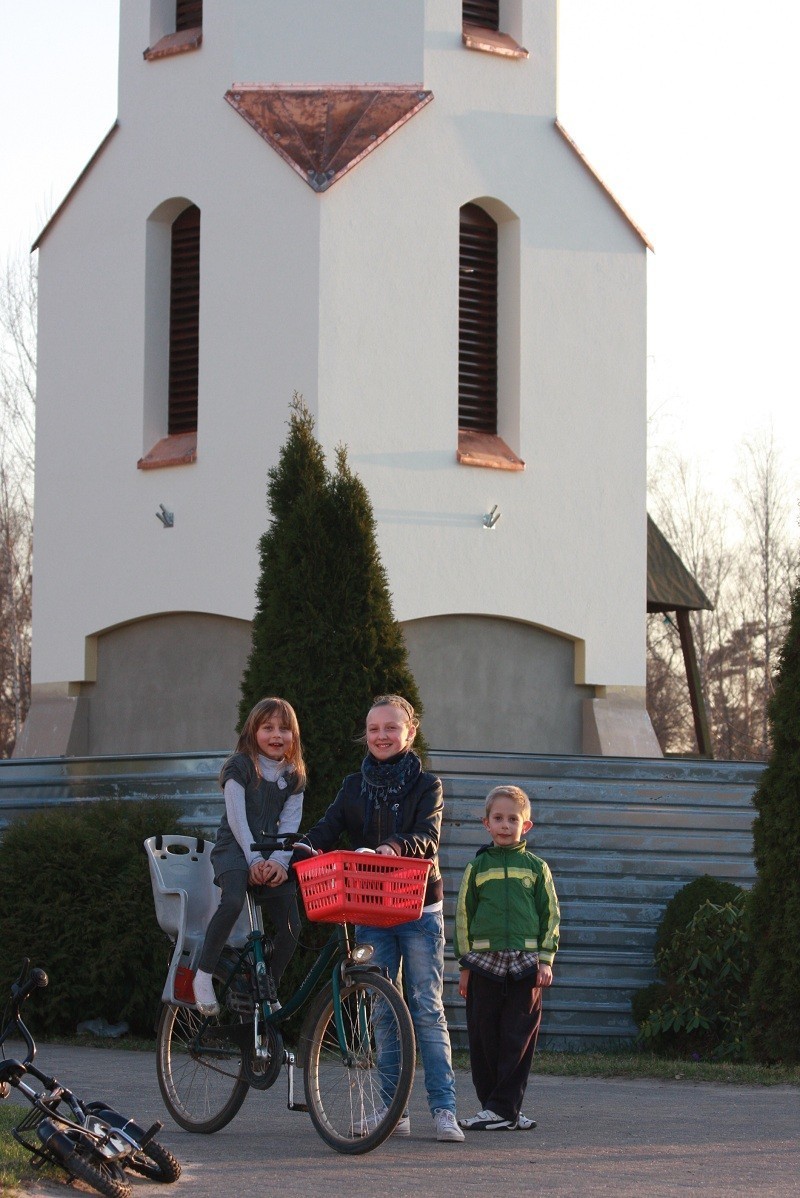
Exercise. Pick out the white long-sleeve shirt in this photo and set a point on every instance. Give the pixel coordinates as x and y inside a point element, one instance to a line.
<point>289,820</point>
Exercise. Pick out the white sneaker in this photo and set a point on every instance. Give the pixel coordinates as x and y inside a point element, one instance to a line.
<point>523,1123</point>
<point>204,997</point>
<point>369,1122</point>
<point>486,1121</point>
<point>403,1127</point>
<point>446,1126</point>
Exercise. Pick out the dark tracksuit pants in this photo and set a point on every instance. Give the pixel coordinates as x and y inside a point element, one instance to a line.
<point>503,1017</point>
<point>279,902</point>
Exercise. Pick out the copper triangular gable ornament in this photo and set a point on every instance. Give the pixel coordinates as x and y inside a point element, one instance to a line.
<point>322,132</point>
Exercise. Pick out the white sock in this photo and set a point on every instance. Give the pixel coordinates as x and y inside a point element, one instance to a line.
<point>203,987</point>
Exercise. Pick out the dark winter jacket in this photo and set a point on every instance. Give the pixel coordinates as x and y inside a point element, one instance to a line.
<point>411,824</point>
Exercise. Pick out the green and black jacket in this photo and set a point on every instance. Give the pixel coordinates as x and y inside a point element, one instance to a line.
<point>507,900</point>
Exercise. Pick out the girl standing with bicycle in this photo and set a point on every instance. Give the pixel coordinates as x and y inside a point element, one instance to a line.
<point>394,807</point>
<point>263,783</point>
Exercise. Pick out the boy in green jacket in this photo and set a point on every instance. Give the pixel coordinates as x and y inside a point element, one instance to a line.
<point>506,936</point>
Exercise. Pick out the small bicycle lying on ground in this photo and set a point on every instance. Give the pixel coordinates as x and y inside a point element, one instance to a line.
<point>88,1140</point>
<point>357,1043</point>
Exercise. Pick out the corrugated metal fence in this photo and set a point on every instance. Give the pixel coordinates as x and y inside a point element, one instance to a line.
<point>621,836</point>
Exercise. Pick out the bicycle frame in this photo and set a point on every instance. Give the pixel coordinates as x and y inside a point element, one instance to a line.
<point>112,1144</point>
<point>88,1140</point>
<point>335,952</point>
<point>357,1040</point>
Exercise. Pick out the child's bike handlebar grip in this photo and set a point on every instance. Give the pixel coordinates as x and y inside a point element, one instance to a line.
<point>37,981</point>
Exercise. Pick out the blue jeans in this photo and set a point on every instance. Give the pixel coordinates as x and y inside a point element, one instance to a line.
<point>420,947</point>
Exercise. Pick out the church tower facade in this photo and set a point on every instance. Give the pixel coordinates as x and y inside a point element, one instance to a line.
<point>371,203</point>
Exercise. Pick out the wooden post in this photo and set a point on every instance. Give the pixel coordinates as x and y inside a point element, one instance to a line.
<point>695,689</point>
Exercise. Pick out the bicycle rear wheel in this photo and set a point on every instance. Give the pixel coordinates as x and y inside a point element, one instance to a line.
<point>356,1097</point>
<point>200,1072</point>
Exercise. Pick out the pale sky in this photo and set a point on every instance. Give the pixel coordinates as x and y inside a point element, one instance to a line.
<point>686,108</point>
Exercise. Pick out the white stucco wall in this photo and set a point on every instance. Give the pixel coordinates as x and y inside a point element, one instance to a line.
<point>569,551</point>
<point>351,298</point>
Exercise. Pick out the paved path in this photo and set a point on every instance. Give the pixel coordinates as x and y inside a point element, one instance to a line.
<point>623,1139</point>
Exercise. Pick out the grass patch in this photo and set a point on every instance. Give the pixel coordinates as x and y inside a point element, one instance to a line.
<point>127,1042</point>
<point>15,1161</point>
<point>648,1066</point>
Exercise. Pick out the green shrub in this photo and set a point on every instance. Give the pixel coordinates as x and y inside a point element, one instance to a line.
<point>76,898</point>
<point>706,968</point>
<point>646,1000</point>
<point>687,901</point>
<point>324,632</point>
<point>678,915</point>
<point>775,907</point>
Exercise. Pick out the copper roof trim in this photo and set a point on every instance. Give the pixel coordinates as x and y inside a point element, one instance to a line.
<point>178,449</point>
<point>491,41</point>
<point>174,43</point>
<point>487,450</point>
<point>605,188</point>
<point>323,132</point>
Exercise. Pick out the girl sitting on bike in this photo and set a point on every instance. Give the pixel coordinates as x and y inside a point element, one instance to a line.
<point>394,807</point>
<point>263,783</point>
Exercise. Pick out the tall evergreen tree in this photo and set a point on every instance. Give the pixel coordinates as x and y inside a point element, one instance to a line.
<point>775,901</point>
<point>324,633</point>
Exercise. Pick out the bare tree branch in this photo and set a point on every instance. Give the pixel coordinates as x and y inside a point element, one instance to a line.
<point>748,580</point>
<point>18,295</point>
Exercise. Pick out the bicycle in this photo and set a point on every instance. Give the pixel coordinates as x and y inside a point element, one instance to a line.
<point>357,1042</point>
<point>89,1141</point>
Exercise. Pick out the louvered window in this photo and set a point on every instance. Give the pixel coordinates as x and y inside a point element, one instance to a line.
<point>477,321</point>
<point>188,14</point>
<point>482,12</point>
<point>184,320</point>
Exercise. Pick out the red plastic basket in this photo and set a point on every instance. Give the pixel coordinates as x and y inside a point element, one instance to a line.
<point>366,888</point>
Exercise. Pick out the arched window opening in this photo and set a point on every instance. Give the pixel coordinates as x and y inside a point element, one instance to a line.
<point>184,322</point>
<point>477,321</point>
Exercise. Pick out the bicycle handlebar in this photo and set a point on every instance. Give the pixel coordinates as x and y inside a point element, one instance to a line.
<point>20,990</point>
<point>289,840</point>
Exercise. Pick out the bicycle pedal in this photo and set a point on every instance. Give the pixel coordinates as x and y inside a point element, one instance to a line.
<point>240,1004</point>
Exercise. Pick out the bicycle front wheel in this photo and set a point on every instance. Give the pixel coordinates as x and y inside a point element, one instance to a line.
<point>199,1066</point>
<point>104,1176</point>
<point>155,1162</point>
<point>358,1090</point>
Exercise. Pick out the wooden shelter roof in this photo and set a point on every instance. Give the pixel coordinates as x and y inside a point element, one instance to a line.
<point>670,586</point>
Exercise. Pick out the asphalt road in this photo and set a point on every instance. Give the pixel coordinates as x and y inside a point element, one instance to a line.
<point>624,1139</point>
